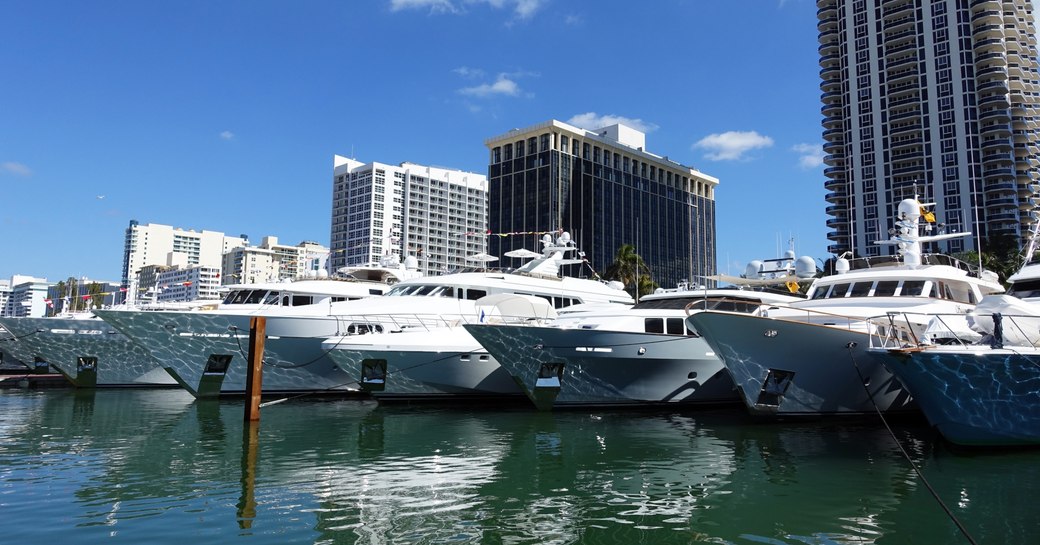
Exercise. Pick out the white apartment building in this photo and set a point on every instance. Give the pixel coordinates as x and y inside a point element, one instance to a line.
<point>939,98</point>
<point>24,296</point>
<point>189,284</point>
<point>150,244</point>
<point>438,215</point>
<point>250,265</point>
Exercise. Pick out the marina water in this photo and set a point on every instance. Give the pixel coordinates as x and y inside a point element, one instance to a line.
<point>157,466</point>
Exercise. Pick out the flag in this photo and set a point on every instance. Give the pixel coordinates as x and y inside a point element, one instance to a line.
<point>792,286</point>
<point>122,289</point>
<point>85,297</point>
<point>928,216</point>
<point>188,283</point>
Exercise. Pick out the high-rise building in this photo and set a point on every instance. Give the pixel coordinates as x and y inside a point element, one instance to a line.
<point>152,243</point>
<point>25,296</point>
<point>933,98</point>
<point>606,190</point>
<point>436,214</point>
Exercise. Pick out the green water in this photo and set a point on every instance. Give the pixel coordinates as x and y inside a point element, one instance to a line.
<point>157,467</point>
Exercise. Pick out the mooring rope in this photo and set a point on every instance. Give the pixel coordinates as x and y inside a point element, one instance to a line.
<point>906,455</point>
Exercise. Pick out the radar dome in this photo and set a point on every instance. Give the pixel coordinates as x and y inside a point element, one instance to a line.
<point>565,238</point>
<point>841,265</point>
<point>322,273</point>
<point>753,270</point>
<point>616,285</point>
<point>411,263</point>
<point>909,209</point>
<point>805,267</point>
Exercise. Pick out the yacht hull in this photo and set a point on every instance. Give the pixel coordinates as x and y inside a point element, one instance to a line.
<point>560,368</point>
<point>453,370</point>
<point>208,352</point>
<point>974,396</point>
<point>790,368</point>
<point>89,352</point>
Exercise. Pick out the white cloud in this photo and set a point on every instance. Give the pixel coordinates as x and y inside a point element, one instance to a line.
<point>18,169</point>
<point>435,6</point>
<point>502,86</point>
<point>468,72</point>
<point>522,9</point>
<point>811,155</point>
<point>227,135</point>
<point>732,145</point>
<point>593,121</point>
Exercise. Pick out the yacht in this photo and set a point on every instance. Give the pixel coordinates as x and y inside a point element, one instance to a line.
<point>980,388</point>
<point>207,350</point>
<point>811,357</point>
<point>198,348</point>
<point>403,355</point>
<point>445,362</point>
<point>643,355</point>
<point>12,352</point>
<point>87,351</point>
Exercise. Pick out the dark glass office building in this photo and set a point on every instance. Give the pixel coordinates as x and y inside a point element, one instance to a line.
<point>606,190</point>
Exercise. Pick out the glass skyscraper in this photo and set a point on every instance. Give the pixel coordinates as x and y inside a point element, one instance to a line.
<point>606,190</point>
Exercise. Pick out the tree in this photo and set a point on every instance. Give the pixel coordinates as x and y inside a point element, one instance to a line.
<point>629,268</point>
<point>97,300</point>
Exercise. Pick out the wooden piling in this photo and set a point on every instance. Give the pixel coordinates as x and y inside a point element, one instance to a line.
<point>255,374</point>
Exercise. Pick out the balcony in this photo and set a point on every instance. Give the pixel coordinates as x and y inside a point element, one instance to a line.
<point>983,32</point>
<point>830,85</point>
<point>836,184</point>
<point>994,114</point>
<point>831,61</point>
<point>834,147</point>
<point>835,173</point>
<point>989,45</point>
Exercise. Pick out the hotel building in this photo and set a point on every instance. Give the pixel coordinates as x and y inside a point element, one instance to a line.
<point>935,98</point>
<point>606,190</point>
<point>152,243</point>
<point>436,214</point>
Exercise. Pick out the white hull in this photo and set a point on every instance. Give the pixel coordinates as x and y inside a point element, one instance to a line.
<point>444,363</point>
<point>185,343</point>
<point>89,352</point>
<point>602,367</point>
<point>794,368</point>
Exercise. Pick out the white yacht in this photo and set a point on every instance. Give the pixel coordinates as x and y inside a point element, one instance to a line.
<point>198,348</point>
<point>641,356</point>
<point>444,361</point>
<point>981,388</point>
<point>811,357</point>
<point>207,351</point>
<point>415,347</point>
<point>87,351</point>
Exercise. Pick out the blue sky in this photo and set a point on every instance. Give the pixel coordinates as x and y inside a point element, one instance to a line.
<point>225,115</point>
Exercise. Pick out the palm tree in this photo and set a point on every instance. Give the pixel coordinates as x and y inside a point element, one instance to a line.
<point>629,269</point>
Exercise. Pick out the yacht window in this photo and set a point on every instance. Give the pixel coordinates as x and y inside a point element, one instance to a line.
<point>934,292</point>
<point>886,288</point>
<point>255,296</point>
<point>912,288</point>
<point>239,296</point>
<point>860,289</point>
<point>444,291</point>
<point>838,290</point>
<point>1025,289</point>
<point>473,294</point>
<point>300,300</point>
<point>820,292</point>
<point>653,325</point>
<point>231,296</point>
<point>425,290</point>
<point>676,326</point>
<point>361,329</point>
<point>271,298</point>
<point>375,291</point>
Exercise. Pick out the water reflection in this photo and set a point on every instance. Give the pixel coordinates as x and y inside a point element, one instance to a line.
<point>157,465</point>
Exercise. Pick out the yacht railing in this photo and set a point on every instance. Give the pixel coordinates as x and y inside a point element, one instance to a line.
<point>881,261</point>
<point>396,323</point>
<point>896,330</point>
